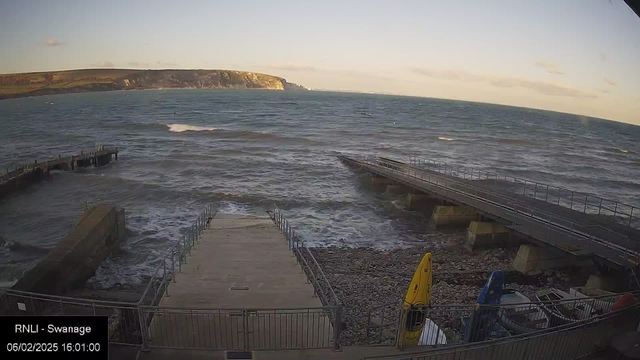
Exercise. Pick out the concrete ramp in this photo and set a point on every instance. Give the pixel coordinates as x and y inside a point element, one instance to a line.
<point>241,288</point>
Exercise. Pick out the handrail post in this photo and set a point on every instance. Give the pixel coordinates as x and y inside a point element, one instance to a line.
<point>400,331</point>
<point>179,256</point>
<point>337,326</point>
<point>600,208</point>
<point>586,199</point>
<point>164,275</point>
<point>143,327</point>
<point>546,195</point>
<point>572,193</point>
<point>173,265</point>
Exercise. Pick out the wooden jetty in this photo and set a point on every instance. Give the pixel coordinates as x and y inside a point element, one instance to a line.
<point>23,175</point>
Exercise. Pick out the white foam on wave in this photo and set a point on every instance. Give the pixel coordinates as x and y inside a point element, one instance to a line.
<point>445,138</point>
<point>7,283</point>
<point>184,127</point>
<point>233,208</point>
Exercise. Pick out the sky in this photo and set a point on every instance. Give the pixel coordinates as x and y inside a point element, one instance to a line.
<point>576,56</point>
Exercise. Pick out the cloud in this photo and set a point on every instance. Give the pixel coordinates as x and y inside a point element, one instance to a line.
<point>162,63</point>
<point>52,43</point>
<point>306,68</point>
<point>288,67</point>
<point>551,68</point>
<point>137,64</point>
<point>609,81</point>
<point>542,87</point>
<point>106,64</point>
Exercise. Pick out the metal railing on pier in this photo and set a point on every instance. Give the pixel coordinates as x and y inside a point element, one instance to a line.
<point>528,218</point>
<point>454,324</point>
<point>305,258</point>
<point>8,174</point>
<point>124,320</point>
<point>313,271</point>
<point>241,328</point>
<point>622,213</point>
<point>571,340</point>
<point>177,255</point>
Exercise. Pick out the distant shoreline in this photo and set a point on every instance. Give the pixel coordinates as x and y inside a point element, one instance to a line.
<point>96,80</point>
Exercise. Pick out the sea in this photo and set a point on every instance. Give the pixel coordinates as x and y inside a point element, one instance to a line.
<point>246,150</point>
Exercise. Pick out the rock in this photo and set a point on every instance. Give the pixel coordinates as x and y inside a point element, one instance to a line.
<point>366,278</point>
<point>550,280</point>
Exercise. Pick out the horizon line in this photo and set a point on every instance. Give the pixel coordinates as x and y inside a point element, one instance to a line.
<point>368,92</point>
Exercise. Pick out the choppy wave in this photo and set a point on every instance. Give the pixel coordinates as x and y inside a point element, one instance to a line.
<point>245,150</point>
<point>8,283</point>
<point>514,141</point>
<point>184,127</point>
<point>619,151</point>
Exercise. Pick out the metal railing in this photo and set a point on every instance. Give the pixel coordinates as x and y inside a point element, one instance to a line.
<point>177,328</point>
<point>565,342</point>
<point>313,271</point>
<point>539,223</point>
<point>447,325</point>
<point>177,255</point>
<point>124,321</point>
<point>147,325</point>
<point>574,200</point>
<point>17,170</point>
<point>241,329</point>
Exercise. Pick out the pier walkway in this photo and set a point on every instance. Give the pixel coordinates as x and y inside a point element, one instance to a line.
<point>581,224</point>
<point>23,175</point>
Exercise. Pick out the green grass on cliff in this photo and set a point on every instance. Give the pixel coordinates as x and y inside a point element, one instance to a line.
<point>56,82</point>
<point>22,84</point>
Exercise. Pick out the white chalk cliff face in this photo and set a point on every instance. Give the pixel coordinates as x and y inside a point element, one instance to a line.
<point>30,84</point>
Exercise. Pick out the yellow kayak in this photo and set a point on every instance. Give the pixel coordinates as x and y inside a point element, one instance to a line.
<point>416,301</point>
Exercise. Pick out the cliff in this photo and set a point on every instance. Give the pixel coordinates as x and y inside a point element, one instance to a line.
<point>72,81</point>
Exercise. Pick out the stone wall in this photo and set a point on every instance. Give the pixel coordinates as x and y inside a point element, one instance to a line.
<point>77,256</point>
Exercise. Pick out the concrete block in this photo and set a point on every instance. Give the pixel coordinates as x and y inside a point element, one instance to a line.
<point>452,216</point>
<point>419,202</point>
<point>531,257</point>
<point>608,283</point>
<point>79,254</point>
<point>378,180</point>
<point>397,189</point>
<point>485,233</point>
<point>379,184</point>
